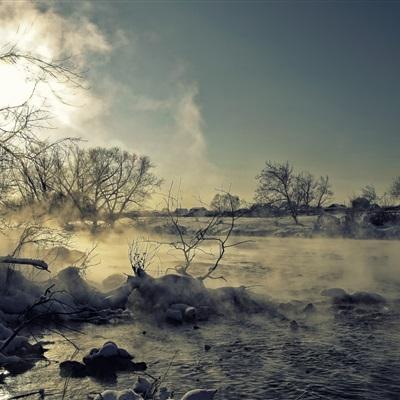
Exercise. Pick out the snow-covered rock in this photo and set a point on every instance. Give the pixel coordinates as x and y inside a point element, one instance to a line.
<point>107,351</point>
<point>181,312</point>
<point>200,394</point>
<point>174,315</point>
<point>128,394</point>
<point>114,281</point>
<point>110,349</point>
<point>365,298</point>
<point>164,394</point>
<point>102,363</point>
<point>368,298</point>
<point>335,293</point>
<point>143,386</point>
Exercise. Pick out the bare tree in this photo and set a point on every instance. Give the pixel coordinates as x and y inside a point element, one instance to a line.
<point>368,192</point>
<point>305,190</point>
<point>142,254</point>
<point>73,177</point>
<point>394,190</point>
<point>225,202</point>
<point>99,182</point>
<point>38,236</point>
<point>281,187</point>
<point>104,182</point>
<point>323,191</point>
<point>217,230</point>
<point>128,184</point>
<point>277,186</point>
<point>34,175</point>
<point>35,237</point>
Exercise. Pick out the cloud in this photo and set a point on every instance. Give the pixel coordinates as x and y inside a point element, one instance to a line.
<point>34,29</point>
<point>49,34</point>
<point>189,123</point>
<point>180,149</point>
<point>198,174</point>
<point>178,145</point>
<point>145,103</point>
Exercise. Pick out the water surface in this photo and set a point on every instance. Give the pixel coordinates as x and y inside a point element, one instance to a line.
<point>333,355</point>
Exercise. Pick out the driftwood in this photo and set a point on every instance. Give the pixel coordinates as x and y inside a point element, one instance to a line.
<point>40,264</point>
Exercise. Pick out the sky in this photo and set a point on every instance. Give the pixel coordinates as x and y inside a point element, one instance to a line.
<point>210,90</point>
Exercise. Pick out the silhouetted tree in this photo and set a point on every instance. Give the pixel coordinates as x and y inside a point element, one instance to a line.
<point>278,186</point>
<point>34,176</point>
<point>323,191</point>
<point>394,190</point>
<point>225,202</point>
<point>104,182</point>
<point>281,187</point>
<point>20,147</point>
<point>305,186</point>
<point>368,192</point>
<point>216,231</point>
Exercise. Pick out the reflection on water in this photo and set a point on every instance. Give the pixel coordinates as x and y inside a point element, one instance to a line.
<point>333,355</point>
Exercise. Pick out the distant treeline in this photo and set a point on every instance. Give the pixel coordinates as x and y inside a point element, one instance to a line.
<point>109,183</point>
<point>91,183</point>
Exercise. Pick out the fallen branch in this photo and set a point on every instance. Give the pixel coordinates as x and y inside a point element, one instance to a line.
<point>40,392</point>
<point>39,264</point>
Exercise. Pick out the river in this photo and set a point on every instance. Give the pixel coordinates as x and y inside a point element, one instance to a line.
<point>331,356</point>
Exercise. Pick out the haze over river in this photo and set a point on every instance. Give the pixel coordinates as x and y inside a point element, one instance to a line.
<point>334,354</point>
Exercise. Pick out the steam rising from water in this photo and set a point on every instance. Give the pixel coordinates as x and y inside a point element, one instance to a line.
<point>283,268</point>
<point>256,357</point>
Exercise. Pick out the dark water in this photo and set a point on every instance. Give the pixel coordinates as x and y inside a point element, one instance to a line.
<point>335,354</point>
<point>250,358</point>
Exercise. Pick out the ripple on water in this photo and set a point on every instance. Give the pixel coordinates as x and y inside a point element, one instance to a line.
<point>249,358</point>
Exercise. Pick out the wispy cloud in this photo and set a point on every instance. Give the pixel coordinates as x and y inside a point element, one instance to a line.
<point>198,173</point>
<point>145,103</point>
<point>180,150</point>
<point>42,32</point>
<point>49,34</point>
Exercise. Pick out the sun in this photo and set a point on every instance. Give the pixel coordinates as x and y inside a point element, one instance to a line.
<point>15,85</point>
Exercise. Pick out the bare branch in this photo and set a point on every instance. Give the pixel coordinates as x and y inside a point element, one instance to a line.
<point>39,264</point>
<point>212,231</point>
